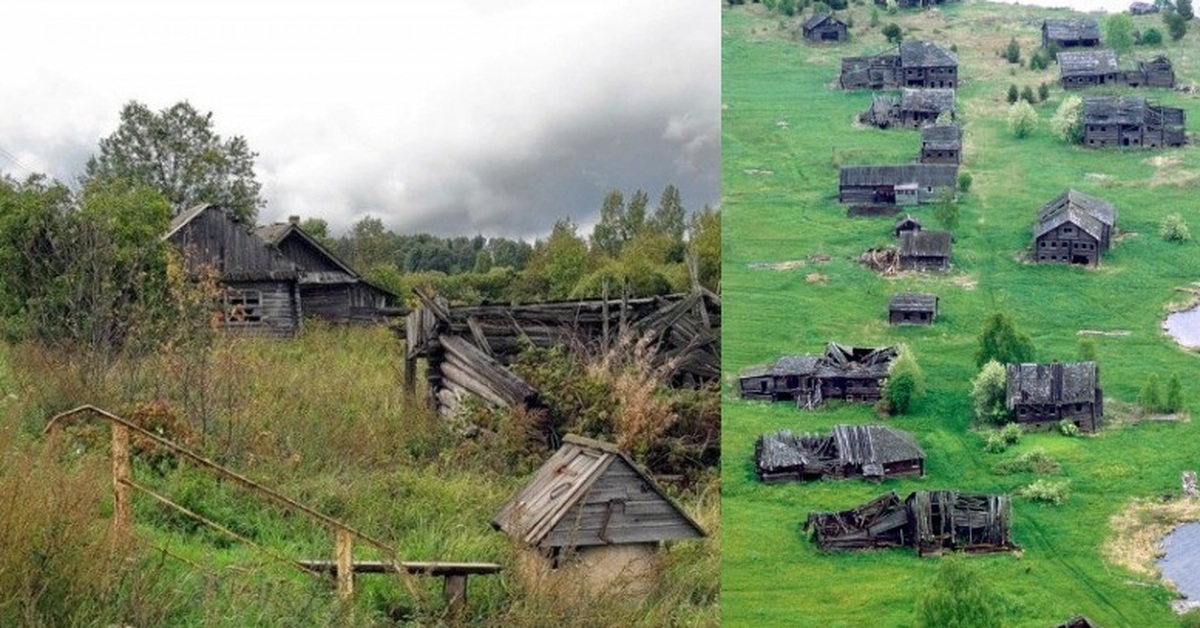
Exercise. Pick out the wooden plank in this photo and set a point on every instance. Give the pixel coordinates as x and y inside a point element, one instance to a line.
<point>122,514</point>
<point>420,568</point>
<point>343,551</point>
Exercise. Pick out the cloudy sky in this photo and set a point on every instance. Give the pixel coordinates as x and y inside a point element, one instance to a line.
<point>446,116</point>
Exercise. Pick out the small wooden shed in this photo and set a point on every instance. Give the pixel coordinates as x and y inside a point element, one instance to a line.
<point>1088,68</point>
<point>912,308</point>
<point>590,509</point>
<point>907,223</point>
<point>823,28</point>
<point>925,250</point>
<point>941,144</point>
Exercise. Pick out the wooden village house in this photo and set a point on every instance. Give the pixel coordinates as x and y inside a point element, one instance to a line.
<point>842,372</point>
<point>1039,396</point>
<point>1073,228</point>
<point>941,144</point>
<point>913,109</point>
<point>906,184</point>
<point>915,64</point>
<point>823,27</point>
<point>593,513</point>
<point>925,250</point>
<point>912,308</point>
<point>1142,8</point>
<point>1131,121</point>
<point>873,452</point>
<point>1155,72</point>
<point>1058,33</point>
<point>912,4</point>
<point>1092,68</point>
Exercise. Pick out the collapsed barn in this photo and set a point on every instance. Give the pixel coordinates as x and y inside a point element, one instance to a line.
<point>1040,396</point>
<point>912,109</point>
<point>931,522</point>
<point>468,350</point>
<point>1092,68</point>
<point>842,372</point>
<point>1131,121</point>
<point>873,452</point>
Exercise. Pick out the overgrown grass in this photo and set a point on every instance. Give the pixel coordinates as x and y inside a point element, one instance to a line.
<point>784,131</point>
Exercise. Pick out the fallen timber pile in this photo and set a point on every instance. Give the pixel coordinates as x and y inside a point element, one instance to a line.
<point>468,350</point>
<point>929,521</point>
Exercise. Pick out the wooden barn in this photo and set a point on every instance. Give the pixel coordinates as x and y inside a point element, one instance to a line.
<point>1073,228</point>
<point>915,64</point>
<point>261,287</point>
<point>941,144</point>
<point>1089,68</point>
<point>929,521</point>
<point>823,28</point>
<point>1131,121</point>
<point>591,511</point>
<point>1039,396</point>
<point>913,4</point>
<point>913,109</point>
<point>873,452</point>
<point>912,308</point>
<point>906,184</point>
<point>842,372</point>
<point>1156,72</point>
<point>925,250</point>
<point>1063,33</point>
<point>329,288</point>
<point>907,223</point>
<point>1142,8</point>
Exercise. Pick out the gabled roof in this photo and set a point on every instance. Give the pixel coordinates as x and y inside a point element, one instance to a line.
<point>931,100</point>
<point>1114,109</point>
<point>925,175</point>
<point>907,223</point>
<point>864,362</point>
<point>275,234</point>
<point>912,302</point>
<point>184,218</point>
<point>1059,29</point>
<point>1087,62</point>
<point>1055,383</point>
<point>875,444</point>
<point>925,243</point>
<point>818,19</point>
<point>941,135</point>
<point>549,509</point>
<point>924,54</point>
<point>1088,213</point>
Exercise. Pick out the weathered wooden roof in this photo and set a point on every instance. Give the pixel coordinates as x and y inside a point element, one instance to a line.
<point>913,302</point>
<point>874,444</point>
<point>941,136</point>
<point>924,54</point>
<point>275,234</point>
<point>869,447</point>
<point>784,450</point>
<point>925,243</point>
<point>1087,62</point>
<point>592,493</point>
<point>209,236</point>
<point>925,175</point>
<point>1114,110</point>
<point>860,362</point>
<point>930,100</point>
<point>1142,8</point>
<point>1086,212</point>
<point>908,222</point>
<point>817,19</point>
<point>184,218</point>
<point>1055,383</point>
<point>784,366</point>
<point>1059,29</point>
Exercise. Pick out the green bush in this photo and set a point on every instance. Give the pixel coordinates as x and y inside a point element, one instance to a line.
<point>1067,428</point>
<point>988,390</point>
<point>1035,460</point>
<point>1174,229</point>
<point>958,596</point>
<point>905,382</point>
<point>995,443</point>
<point>893,33</point>
<point>1152,37</point>
<point>1045,491</point>
<point>1022,119</point>
<point>1011,433</point>
<point>1150,397</point>
<point>964,181</point>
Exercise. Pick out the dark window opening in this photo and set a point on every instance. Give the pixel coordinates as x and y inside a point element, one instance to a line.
<point>243,307</point>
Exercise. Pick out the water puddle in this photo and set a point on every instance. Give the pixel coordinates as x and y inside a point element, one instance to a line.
<point>1181,563</point>
<point>1184,327</point>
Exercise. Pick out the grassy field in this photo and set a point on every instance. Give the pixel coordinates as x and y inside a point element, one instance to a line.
<point>791,283</point>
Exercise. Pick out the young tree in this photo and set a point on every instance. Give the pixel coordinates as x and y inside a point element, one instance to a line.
<point>1012,52</point>
<point>177,152</point>
<point>1087,349</point>
<point>1027,94</point>
<point>1152,37</point>
<point>1184,9</point>
<point>1013,94</point>
<point>1021,119</point>
<point>670,220</point>
<point>905,381</point>
<point>964,181</point>
<point>1177,25</point>
<point>988,391</point>
<point>1118,32</point>
<point>958,597</point>
<point>1068,120</point>
<point>893,32</point>
<point>1150,397</point>
<point>608,236</point>
<point>704,245</point>
<point>1043,91</point>
<point>1175,400</point>
<point>1000,341</point>
<point>945,210</point>
<point>1174,229</point>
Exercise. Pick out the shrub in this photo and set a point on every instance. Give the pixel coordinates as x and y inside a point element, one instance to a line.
<point>905,382</point>
<point>945,211</point>
<point>1045,491</point>
<point>1174,229</point>
<point>994,442</point>
<point>1039,60</point>
<point>1011,433</point>
<point>893,32</point>
<point>1035,460</point>
<point>1000,341</point>
<point>1022,119</point>
<point>1043,92</point>
<point>893,8</point>
<point>1150,398</point>
<point>1013,94</point>
<point>1175,399</point>
<point>1027,95</point>
<point>874,17</point>
<point>958,596</point>
<point>1012,52</point>
<point>1177,25</point>
<point>1087,349</point>
<point>1152,37</point>
<point>964,181</point>
<point>987,394</point>
<point>1067,428</point>
<point>1068,120</point>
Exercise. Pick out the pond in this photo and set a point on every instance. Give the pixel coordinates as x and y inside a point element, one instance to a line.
<point>1184,327</point>
<point>1181,563</point>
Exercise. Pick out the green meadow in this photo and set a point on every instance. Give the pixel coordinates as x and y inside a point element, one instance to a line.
<point>791,283</point>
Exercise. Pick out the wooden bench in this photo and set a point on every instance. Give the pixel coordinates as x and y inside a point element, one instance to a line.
<point>454,575</point>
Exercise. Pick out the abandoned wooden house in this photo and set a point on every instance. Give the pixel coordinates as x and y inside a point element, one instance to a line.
<point>1073,228</point>
<point>916,64</point>
<point>593,512</point>
<point>912,308</point>
<point>842,372</point>
<point>1155,72</point>
<point>913,109</point>
<point>823,27</point>
<point>906,184</point>
<point>1079,621</point>
<point>873,452</point>
<point>941,144</point>
<point>260,285</point>
<point>912,4</point>
<point>329,288</point>
<point>929,521</point>
<point>1039,396</point>
<point>925,250</point>
<point>1143,8</point>
<point>1078,69</point>
<point>1131,121</point>
<point>468,350</point>
<point>1063,33</point>
<point>907,223</point>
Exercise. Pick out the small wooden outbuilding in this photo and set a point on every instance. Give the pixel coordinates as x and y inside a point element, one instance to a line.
<point>907,223</point>
<point>1088,68</point>
<point>1064,33</point>
<point>824,28</point>
<point>873,452</point>
<point>1073,228</point>
<point>1039,396</point>
<point>925,250</point>
<point>907,184</point>
<point>1155,72</point>
<point>1142,8</point>
<point>912,308</point>
<point>592,510</point>
<point>941,144</point>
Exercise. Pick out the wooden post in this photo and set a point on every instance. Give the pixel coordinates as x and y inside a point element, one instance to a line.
<point>122,519</point>
<point>454,590</point>
<point>344,556</point>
